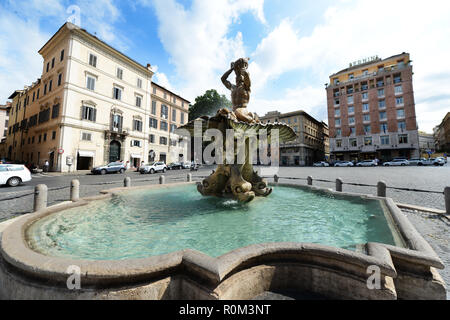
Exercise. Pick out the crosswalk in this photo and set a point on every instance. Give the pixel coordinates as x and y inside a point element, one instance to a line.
<point>38,175</point>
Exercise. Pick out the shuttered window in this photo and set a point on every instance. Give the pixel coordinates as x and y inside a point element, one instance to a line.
<point>88,113</point>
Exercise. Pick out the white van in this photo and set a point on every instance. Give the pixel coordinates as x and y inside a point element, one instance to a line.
<point>14,174</point>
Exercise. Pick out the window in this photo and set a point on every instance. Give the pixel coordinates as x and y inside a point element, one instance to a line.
<point>365,72</point>
<point>384,140</point>
<point>137,125</point>
<point>53,133</point>
<point>182,118</point>
<point>32,139</point>
<point>93,60</point>
<point>61,58</point>
<point>350,76</point>
<point>48,66</point>
<point>351,109</point>
<point>383,127</point>
<point>55,111</point>
<point>53,63</point>
<point>45,89</point>
<point>367,141</point>
<point>153,123</point>
<point>352,130</point>
<point>364,86</point>
<point>173,127</point>
<point>365,96</point>
<point>59,79</point>
<point>338,143</point>
<point>350,100</point>
<point>174,100</point>
<point>136,143</point>
<point>117,93</point>
<point>365,107</point>
<point>39,138</point>
<point>163,140</point>
<point>44,116</point>
<point>336,102</point>
<point>397,78</point>
<point>50,85</point>
<point>352,142</point>
<point>351,120</point>
<point>174,115</point>
<point>117,121</point>
<point>37,95</point>
<point>173,142</point>
<point>400,113</point>
<point>367,129</point>
<point>338,132</point>
<point>165,95</point>
<point>138,101</point>
<point>366,118</point>
<point>163,125</point>
<point>399,101</point>
<point>154,90</point>
<point>90,83</point>
<point>380,92</point>
<point>151,138</point>
<point>139,83</point>
<point>154,107</point>
<point>119,73</point>
<point>401,125</point>
<point>402,138</point>
<point>382,104</point>
<point>85,136</point>
<point>88,113</point>
<point>383,115</point>
<point>164,112</point>
<point>337,112</point>
<point>398,89</point>
<point>337,122</point>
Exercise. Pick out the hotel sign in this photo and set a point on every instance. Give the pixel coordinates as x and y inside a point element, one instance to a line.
<point>358,62</point>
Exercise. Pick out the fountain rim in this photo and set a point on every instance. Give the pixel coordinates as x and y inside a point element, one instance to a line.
<point>21,258</point>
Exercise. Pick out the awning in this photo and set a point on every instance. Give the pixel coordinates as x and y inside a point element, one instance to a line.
<point>89,154</point>
<point>135,155</point>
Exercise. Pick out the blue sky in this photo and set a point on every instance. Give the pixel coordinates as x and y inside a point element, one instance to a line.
<point>293,45</point>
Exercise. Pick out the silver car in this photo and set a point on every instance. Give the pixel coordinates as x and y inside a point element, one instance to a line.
<point>344,164</point>
<point>367,163</point>
<point>396,162</point>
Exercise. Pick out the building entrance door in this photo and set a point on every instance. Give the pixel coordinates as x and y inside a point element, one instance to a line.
<point>114,151</point>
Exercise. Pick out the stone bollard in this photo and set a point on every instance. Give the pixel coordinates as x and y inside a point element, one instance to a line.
<point>40,197</point>
<point>189,177</point>
<point>74,190</point>
<point>339,184</point>
<point>162,179</point>
<point>381,189</point>
<point>309,180</point>
<point>127,182</point>
<point>447,199</point>
<point>275,178</point>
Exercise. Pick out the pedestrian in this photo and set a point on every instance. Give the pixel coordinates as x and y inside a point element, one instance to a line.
<point>46,166</point>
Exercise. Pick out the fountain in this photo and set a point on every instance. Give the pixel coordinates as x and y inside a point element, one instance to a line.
<point>231,178</point>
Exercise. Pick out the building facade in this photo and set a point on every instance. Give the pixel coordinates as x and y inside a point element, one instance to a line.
<point>4,122</point>
<point>426,144</point>
<point>93,105</point>
<point>371,110</point>
<point>442,135</point>
<point>309,147</point>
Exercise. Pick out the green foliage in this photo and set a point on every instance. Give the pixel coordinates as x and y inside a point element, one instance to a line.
<point>208,104</point>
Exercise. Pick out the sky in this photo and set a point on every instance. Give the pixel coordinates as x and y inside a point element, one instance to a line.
<point>293,45</point>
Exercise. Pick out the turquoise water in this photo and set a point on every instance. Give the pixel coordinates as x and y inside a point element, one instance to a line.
<point>144,223</point>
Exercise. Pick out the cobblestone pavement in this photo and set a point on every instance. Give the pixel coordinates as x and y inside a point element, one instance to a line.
<point>435,229</point>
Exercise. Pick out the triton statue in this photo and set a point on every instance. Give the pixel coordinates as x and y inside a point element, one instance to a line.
<point>233,179</point>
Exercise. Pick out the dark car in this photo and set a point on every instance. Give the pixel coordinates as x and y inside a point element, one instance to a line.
<point>174,166</point>
<point>112,167</point>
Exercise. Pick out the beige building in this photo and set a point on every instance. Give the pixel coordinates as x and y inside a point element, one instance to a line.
<point>4,120</point>
<point>309,146</point>
<point>441,135</point>
<point>93,105</point>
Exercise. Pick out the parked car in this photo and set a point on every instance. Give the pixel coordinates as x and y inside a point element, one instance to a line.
<point>14,174</point>
<point>113,167</point>
<point>367,163</point>
<point>321,164</point>
<point>419,162</point>
<point>174,166</point>
<point>344,164</point>
<point>152,167</point>
<point>437,161</point>
<point>186,165</point>
<point>396,162</point>
<point>443,158</point>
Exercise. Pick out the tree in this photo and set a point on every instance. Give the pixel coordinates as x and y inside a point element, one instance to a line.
<point>208,104</point>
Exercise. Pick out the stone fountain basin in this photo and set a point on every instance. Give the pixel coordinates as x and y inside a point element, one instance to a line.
<point>405,272</point>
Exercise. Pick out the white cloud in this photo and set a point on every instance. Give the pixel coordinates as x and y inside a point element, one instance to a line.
<point>353,30</point>
<point>161,78</point>
<point>197,40</point>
